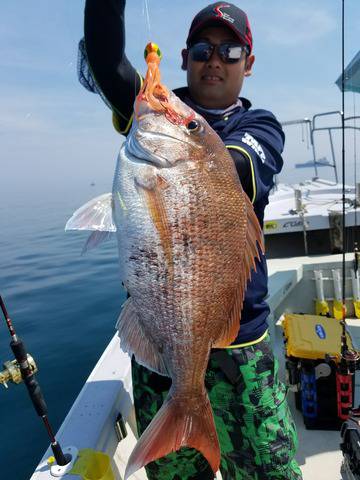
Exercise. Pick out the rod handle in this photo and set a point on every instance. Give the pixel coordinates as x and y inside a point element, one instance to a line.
<point>30,381</point>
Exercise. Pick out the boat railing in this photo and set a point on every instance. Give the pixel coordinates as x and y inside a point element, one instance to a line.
<point>312,129</point>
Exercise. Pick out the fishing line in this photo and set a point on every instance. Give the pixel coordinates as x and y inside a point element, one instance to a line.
<point>349,362</point>
<point>355,165</point>
<point>146,16</point>
<point>349,357</point>
<point>343,146</point>
<point>146,13</point>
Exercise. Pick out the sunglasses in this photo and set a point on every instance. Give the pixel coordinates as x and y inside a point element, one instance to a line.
<point>228,52</point>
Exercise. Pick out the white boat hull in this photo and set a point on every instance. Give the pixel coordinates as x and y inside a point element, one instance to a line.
<point>90,422</point>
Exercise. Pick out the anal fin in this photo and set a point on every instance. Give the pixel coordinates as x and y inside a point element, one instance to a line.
<point>134,340</point>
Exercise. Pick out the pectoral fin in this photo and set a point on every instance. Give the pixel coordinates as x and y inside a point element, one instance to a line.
<point>97,214</point>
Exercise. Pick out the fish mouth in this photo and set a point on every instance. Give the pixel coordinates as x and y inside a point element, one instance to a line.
<point>136,148</point>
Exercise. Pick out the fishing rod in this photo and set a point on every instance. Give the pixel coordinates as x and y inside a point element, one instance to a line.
<point>343,336</point>
<point>25,364</point>
<point>349,362</point>
<point>344,346</point>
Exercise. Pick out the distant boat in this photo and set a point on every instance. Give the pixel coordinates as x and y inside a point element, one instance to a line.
<point>322,162</point>
<point>92,184</point>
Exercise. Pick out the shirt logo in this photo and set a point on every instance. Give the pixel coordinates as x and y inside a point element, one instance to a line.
<point>250,140</point>
<point>223,15</point>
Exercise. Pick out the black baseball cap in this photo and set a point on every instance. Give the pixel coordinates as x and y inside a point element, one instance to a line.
<point>227,14</point>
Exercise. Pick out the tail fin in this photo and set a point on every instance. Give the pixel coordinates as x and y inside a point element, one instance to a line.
<point>177,425</point>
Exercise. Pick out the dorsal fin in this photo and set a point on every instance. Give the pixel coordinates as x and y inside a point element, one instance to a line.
<point>254,245</point>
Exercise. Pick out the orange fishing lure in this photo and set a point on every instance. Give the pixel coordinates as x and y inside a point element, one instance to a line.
<point>154,93</point>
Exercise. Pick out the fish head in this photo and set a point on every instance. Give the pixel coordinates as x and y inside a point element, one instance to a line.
<point>170,132</point>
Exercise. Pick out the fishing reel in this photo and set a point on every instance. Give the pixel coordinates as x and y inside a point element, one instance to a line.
<point>347,364</point>
<point>12,373</point>
<point>350,362</point>
<point>23,368</point>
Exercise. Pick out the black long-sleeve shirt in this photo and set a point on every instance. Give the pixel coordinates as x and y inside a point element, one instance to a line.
<point>253,137</point>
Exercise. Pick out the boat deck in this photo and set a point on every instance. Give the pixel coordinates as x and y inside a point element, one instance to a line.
<point>318,454</point>
<point>90,422</point>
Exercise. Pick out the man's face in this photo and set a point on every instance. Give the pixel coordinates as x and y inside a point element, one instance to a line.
<point>213,83</point>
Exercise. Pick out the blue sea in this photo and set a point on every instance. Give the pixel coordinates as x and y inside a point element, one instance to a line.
<point>63,305</point>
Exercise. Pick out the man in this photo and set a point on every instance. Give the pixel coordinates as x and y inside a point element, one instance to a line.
<point>256,433</point>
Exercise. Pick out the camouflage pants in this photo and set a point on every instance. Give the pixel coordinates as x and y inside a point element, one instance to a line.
<point>256,432</point>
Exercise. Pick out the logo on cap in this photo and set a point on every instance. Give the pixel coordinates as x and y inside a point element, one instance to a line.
<point>223,15</point>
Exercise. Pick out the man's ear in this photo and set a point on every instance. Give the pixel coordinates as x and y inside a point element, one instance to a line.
<point>248,65</point>
<point>184,54</point>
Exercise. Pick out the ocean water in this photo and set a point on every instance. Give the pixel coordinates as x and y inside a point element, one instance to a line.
<point>63,305</point>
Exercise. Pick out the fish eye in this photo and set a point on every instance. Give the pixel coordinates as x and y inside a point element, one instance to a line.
<point>193,126</point>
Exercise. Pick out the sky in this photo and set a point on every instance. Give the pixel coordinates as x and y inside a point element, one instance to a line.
<point>54,134</point>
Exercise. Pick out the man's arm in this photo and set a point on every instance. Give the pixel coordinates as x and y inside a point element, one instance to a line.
<point>256,147</point>
<point>117,79</point>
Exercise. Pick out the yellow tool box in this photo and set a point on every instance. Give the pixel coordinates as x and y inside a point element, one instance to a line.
<point>313,337</point>
<point>313,354</point>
